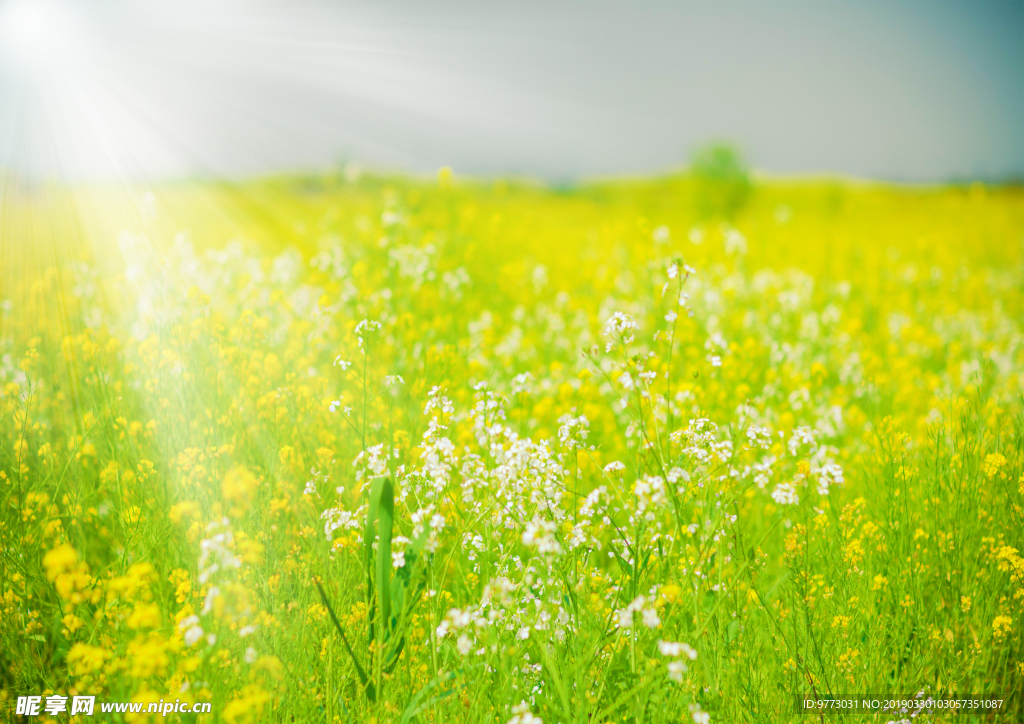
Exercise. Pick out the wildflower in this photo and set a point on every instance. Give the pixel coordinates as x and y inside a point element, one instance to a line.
<point>363,331</point>
<point>699,716</point>
<point>191,629</point>
<point>649,614</point>
<point>573,431</point>
<point>540,534</point>
<point>84,659</point>
<point>676,669</point>
<point>339,362</point>
<point>522,383</point>
<point>237,489</point>
<point>621,328</point>
<point>785,494</point>
<point>62,559</point>
<point>1001,626</point>
<point>521,715</point>
<point>993,464</point>
<point>335,518</point>
<point>674,649</point>
<point>248,706</point>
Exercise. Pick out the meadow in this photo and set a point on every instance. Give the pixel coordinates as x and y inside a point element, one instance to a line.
<point>369,448</point>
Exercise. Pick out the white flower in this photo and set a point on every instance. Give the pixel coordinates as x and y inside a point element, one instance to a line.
<point>193,635</point>
<point>521,715</point>
<point>661,234</point>
<point>625,615</point>
<point>651,618</point>
<point>335,518</point>
<point>670,648</point>
<point>573,431</point>
<point>676,669</point>
<point>540,534</point>
<point>364,329</point>
<point>392,380</point>
<point>464,644</point>
<point>699,716</point>
<point>802,437</point>
<point>250,655</point>
<point>614,467</point>
<point>785,494</point>
<point>193,631</point>
<point>620,327</point>
<point>522,383</point>
<point>339,362</point>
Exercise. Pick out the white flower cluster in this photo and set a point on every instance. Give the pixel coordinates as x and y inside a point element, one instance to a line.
<point>621,328</point>
<point>371,463</point>
<point>573,431</point>
<point>363,331</point>
<point>521,715</point>
<point>540,534</point>
<point>648,614</point>
<point>335,518</point>
<point>677,652</point>
<point>215,552</point>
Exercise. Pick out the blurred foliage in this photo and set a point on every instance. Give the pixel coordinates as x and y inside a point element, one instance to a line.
<point>723,185</point>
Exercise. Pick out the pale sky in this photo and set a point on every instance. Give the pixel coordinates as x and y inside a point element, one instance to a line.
<point>920,91</point>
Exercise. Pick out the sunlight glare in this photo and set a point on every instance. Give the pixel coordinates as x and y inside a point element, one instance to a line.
<point>33,31</point>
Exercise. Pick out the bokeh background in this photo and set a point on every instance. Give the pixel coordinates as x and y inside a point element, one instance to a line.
<point>906,91</point>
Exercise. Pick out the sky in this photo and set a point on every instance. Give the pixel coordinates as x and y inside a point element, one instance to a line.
<point>152,89</point>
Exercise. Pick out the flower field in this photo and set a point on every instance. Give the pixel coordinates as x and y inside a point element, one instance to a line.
<point>381,449</point>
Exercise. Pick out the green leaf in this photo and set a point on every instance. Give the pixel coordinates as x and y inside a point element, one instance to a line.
<point>371,521</point>
<point>385,528</point>
<point>371,693</point>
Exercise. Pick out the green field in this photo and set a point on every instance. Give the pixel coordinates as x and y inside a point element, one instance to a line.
<point>327,449</point>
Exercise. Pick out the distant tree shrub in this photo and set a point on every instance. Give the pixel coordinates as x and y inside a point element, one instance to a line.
<point>722,181</point>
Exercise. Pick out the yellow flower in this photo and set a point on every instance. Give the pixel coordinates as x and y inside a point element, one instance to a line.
<point>1001,626</point>
<point>248,706</point>
<point>182,586</point>
<point>993,464</point>
<point>671,592</point>
<point>84,659</point>
<point>187,508</point>
<point>148,656</point>
<point>72,623</point>
<point>144,615</point>
<point>62,559</point>
<point>237,489</point>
